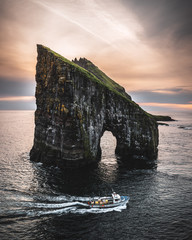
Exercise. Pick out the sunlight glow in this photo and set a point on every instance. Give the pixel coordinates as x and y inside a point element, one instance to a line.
<point>168,105</point>
<point>17,98</point>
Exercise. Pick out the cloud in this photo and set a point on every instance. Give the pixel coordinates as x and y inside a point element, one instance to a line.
<point>17,105</point>
<point>170,96</point>
<point>16,87</point>
<point>160,18</point>
<point>167,28</point>
<point>48,5</point>
<point>166,106</point>
<point>98,30</point>
<point>17,98</point>
<point>172,91</point>
<point>144,45</point>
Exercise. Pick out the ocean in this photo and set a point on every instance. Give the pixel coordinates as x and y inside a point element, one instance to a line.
<point>39,202</point>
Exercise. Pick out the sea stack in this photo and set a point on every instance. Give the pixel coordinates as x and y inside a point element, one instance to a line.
<point>76,104</point>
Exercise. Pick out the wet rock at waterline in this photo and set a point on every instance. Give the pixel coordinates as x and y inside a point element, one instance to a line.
<point>76,106</point>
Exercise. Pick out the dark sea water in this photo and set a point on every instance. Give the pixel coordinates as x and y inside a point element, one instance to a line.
<point>38,202</point>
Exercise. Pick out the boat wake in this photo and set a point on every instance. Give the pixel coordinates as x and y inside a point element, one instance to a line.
<point>186,127</point>
<point>50,205</point>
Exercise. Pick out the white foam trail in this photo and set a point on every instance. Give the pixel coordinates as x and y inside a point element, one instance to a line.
<point>52,212</point>
<point>68,208</point>
<point>186,127</point>
<point>52,205</point>
<point>54,198</point>
<point>74,210</point>
<point>62,198</point>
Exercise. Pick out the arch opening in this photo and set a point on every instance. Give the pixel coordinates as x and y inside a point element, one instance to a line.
<point>108,145</point>
<point>108,165</point>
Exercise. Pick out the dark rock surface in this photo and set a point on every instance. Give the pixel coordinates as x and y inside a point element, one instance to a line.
<point>75,107</point>
<point>163,124</point>
<point>163,118</point>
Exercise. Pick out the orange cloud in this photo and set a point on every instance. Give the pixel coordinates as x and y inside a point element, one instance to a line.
<point>167,105</point>
<point>111,35</point>
<point>108,36</point>
<point>17,98</point>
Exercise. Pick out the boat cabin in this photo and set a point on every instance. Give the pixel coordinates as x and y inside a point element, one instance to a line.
<point>116,197</point>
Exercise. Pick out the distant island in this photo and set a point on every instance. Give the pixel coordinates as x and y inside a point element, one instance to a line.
<point>76,104</point>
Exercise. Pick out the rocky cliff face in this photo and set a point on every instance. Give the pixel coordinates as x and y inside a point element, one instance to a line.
<point>75,107</point>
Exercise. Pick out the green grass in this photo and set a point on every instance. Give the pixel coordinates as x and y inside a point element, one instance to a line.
<point>109,83</point>
<point>99,77</point>
<point>89,66</point>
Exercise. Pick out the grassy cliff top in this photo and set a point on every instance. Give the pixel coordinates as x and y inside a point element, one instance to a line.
<point>89,66</point>
<point>106,81</point>
<point>93,73</point>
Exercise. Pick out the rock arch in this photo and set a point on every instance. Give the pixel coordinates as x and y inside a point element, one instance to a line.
<point>76,106</point>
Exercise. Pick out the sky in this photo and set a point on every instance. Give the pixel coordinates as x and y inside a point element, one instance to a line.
<point>144,45</point>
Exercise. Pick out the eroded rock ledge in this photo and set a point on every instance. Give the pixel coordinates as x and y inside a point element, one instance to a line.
<point>76,106</point>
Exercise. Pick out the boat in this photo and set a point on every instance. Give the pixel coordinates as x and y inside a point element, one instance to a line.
<point>114,200</point>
